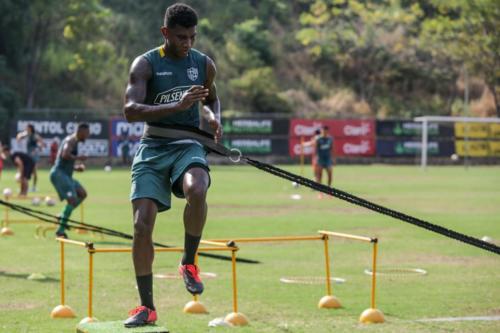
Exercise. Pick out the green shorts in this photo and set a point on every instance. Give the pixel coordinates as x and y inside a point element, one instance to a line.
<point>64,184</point>
<point>325,162</point>
<point>158,170</point>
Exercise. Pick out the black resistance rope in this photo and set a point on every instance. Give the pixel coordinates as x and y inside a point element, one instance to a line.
<point>208,141</point>
<point>53,219</point>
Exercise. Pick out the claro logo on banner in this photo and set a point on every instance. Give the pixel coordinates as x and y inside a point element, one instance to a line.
<point>351,137</point>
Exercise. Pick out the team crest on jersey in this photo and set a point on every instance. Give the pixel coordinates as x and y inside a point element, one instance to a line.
<point>192,73</point>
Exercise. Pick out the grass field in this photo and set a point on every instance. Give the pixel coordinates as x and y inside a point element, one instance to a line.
<point>244,202</point>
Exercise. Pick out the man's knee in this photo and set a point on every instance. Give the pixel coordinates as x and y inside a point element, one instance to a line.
<point>195,185</point>
<point>196,193</point>
<point>72,201</point>
<point>142,229</point>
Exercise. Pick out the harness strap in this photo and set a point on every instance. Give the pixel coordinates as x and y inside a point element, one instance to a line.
<point>185,132</point>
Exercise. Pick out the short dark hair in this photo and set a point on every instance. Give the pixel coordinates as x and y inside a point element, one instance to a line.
<point>180,14</point>
<point>317,131</point>
<point>83,126</point>
<point>325,128</point>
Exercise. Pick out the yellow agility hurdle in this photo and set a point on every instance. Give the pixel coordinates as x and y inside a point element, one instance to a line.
<point>371,315</point>
<point>64,311</point>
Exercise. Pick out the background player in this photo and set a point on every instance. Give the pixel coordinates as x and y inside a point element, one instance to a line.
<point>34,144</point>
<point>25,166</point>
<point>61,175</point>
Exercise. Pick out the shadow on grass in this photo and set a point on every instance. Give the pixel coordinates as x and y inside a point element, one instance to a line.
<point>24,276</point>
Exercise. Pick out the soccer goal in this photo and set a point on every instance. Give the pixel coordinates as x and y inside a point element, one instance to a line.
<point>466,128</point>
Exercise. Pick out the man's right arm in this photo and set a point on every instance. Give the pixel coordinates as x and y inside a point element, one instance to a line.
<point>21,135</point>
<point>135,110</point>
<point>68,148</point>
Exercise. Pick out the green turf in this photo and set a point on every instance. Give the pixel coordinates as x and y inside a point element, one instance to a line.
<point>117,327</point>
<point>245,202</point>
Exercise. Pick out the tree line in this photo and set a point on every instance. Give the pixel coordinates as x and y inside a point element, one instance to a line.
<point>321,58</point>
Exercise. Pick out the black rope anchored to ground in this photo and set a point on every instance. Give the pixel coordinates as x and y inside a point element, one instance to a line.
<point>372,206</point>
<point>208,141</point>
<point>53,219</point>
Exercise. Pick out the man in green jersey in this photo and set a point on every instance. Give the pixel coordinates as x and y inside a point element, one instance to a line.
<point>61,175</point>
<point>165,87</point>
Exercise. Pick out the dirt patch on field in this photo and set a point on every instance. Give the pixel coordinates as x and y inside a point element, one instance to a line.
<point>494,312</point>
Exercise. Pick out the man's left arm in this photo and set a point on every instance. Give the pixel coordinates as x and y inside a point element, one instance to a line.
<point>211,107</point>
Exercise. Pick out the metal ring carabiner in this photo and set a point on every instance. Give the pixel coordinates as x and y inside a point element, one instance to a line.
<point>237,159</point>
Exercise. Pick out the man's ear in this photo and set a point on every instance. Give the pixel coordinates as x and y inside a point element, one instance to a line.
<point>164,32</point>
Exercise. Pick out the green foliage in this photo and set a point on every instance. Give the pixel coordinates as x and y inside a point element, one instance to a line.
<point>394,55</point>
<point>258,89</point>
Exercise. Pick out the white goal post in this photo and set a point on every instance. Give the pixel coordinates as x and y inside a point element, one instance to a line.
<point>425,120</point>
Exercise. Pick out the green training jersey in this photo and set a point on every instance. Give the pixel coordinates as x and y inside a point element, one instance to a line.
<point>171,78</point>
<point>66,166</point>
<point>324,147</point>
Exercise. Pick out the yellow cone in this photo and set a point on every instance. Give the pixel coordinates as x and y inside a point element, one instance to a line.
<point>62,311</point>
<point>236,319</point>
<point>329,302</point>
<point>6,231</point>
<point>194,307</point>
<point>371,316</point>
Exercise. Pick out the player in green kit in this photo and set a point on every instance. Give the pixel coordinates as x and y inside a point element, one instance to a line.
<point>165,87</point>
<point>61,175</point>
<point>324,147</point>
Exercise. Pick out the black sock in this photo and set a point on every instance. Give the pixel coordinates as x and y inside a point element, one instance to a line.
<point>190,247</point>
<point>145,286</point>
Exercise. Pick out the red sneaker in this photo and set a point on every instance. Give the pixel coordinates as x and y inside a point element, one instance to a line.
<point>140,316</point>
<point>191,276</point>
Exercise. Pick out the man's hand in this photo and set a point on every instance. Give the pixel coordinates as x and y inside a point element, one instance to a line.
<point>81,158</point>
<point>215,125</point>
<point>191,96</point>
<point>80,167</point>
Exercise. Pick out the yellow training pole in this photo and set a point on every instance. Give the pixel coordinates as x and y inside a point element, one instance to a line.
<point>89,318</point>
<point>62,310</point>
<point>329,301</point>
<point>91,282</point>
<point>235,287</point>
<point>327,266</point>
<point>270,239</point>
<point>62,273</point>
<point>374,275</point>
<point>235,318</point>
<point>373,315</point>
